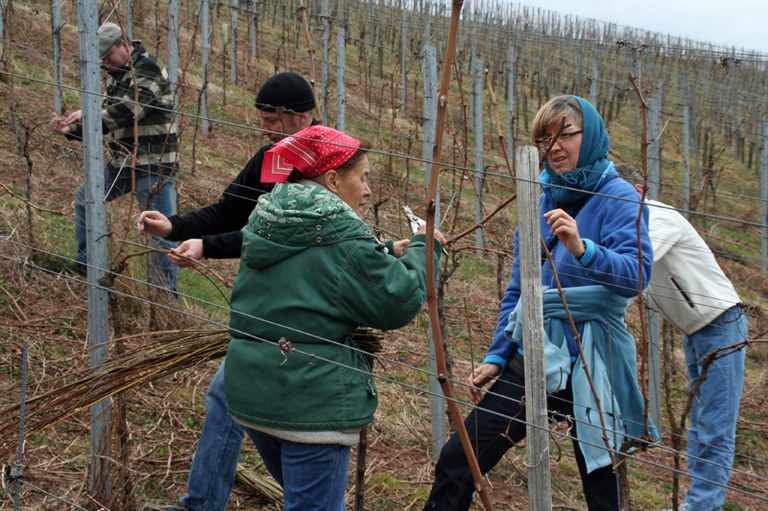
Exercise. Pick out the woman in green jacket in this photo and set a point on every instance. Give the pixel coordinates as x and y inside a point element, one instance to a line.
<point>311,272</point>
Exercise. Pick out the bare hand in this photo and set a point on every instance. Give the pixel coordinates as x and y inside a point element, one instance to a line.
<point>480,377</point>
<point>438,235</point>
<point>185,254</point>
<point>154,223</point>
<point>75,117</point>
<point>566,229</point>
<point>59,124</point>
<point>400,247</point>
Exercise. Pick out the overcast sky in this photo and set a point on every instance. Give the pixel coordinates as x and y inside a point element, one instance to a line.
<point>740,23</point>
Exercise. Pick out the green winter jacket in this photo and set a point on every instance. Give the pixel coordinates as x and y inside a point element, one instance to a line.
<point>311,271</point>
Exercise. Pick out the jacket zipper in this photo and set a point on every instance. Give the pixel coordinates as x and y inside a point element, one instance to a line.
<point>685,296</point>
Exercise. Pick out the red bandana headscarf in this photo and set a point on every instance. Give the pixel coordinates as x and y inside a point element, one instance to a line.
<point>311,151</point>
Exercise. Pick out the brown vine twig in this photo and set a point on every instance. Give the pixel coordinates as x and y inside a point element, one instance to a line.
<point>577,338</point>
<point>504,203</point>
<point>706,362</point>
<point>311,52</point>
<point>679,427</point>
<point>464,143</point>
<point>432,298</point>
<point>482,222</point>
<point>203,268</point>
<point>495,105</point>
<point>644,339</point>
<point>160,184</point>
<point>30,203</point>
<point>708,179</point>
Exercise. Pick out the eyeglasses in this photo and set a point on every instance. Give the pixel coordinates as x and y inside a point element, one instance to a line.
<point>544,142</point>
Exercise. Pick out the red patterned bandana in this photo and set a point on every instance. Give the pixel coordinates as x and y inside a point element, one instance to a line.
<point>311,151</point>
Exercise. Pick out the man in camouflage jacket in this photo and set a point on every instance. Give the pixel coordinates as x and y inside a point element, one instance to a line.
<point>138,108</point>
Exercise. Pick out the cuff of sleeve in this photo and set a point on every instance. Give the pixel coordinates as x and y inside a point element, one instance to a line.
<point>588,254</point>
<point>386,247</point>
<point>174,235</point>
<point>75,132</point>
<point>495,359</point>
<point>207,249</point>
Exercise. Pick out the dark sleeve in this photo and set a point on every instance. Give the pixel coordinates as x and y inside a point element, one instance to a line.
<point>75,132</point>
<point>219,224</point>
<point>227,245</point>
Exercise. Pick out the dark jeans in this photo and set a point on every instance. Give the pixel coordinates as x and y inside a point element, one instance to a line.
<point>492,435</point>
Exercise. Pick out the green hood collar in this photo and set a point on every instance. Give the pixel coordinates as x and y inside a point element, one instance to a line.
<point>296,216</point>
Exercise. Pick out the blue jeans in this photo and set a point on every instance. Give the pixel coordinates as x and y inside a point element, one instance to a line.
<point>492,435</point>
<point>712,435</point>
<point>215,461</point>
<point>313,476</point>
<point>117,182</point>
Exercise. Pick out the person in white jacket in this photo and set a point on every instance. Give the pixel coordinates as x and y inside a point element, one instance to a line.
<point>693,293</point>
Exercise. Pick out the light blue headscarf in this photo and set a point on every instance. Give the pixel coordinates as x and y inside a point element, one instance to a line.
<point>593,164</point>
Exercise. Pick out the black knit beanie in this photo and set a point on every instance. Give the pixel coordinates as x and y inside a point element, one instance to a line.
<point>285,91</point>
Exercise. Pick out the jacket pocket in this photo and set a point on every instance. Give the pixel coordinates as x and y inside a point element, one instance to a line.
<point>683,293</point>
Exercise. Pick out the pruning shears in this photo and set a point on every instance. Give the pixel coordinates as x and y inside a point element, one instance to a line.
<point>416,222</point>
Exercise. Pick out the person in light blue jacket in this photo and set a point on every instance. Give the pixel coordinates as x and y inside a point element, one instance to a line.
<point>589,225</point>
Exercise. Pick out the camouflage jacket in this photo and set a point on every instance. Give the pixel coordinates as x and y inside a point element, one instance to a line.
<point>143,78</point>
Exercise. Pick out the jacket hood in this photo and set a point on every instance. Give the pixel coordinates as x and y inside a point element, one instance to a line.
<point>295,217</point>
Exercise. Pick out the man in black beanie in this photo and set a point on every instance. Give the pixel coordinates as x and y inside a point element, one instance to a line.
<point>288,90</point>
<point>285,103</point>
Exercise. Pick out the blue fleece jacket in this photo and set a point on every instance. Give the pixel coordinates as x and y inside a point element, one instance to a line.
<point>607,224</point>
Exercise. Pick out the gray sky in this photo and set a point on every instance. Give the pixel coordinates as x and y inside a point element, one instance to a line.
<point>740,23</point>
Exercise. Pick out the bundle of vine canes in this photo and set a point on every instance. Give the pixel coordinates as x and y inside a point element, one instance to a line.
<point>152,356</point>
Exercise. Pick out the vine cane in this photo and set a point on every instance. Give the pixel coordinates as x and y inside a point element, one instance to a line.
<point>434,318</point>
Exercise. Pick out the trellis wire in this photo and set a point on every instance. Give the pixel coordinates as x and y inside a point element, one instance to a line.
<point>700,214</point>
<point>703,215</point>
<point>397,382</point>
<point>214,322</point>
<point>400,383</point>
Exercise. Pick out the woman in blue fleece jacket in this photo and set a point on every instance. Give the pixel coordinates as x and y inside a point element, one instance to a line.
<point>588,223</point>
